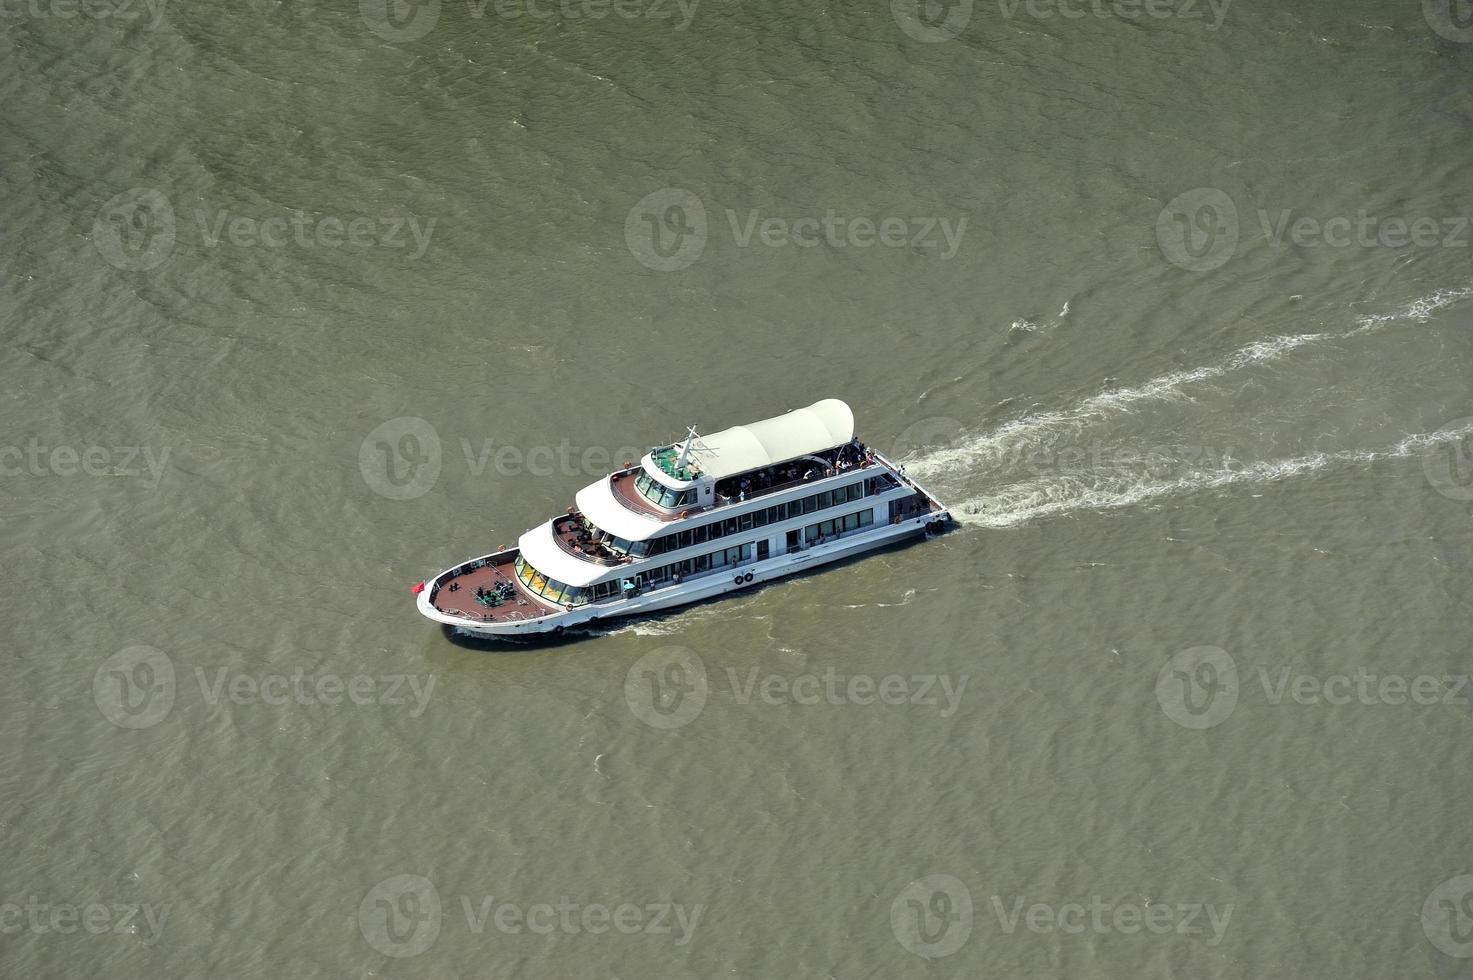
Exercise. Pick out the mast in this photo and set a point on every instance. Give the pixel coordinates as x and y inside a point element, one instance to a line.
<point>690,437</point>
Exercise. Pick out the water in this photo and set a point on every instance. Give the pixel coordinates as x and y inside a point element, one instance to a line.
<point>1209,462</point>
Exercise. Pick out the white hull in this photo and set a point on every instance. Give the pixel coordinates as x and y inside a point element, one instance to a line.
<point>692,522</point>
<point>706,587</point>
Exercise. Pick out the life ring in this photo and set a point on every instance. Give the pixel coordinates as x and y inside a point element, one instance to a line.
<point>747,577</point>
<point>685,513</point>
<point>738,579</point>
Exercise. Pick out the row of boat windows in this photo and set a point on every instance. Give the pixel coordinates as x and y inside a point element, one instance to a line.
<point>555,591</point>
<point>839,525</point>
<point>716,560</point>
<point>662,496</point>
<point>735,525</point>
<point>757,518</point>
<point>549,588</point>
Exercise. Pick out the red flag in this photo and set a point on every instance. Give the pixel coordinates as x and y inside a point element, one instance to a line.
<point>418,588</point>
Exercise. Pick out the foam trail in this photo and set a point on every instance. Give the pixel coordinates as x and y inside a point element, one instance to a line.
<point>1420,309</point>
<point>992,445</point>
<point>1022,502</point>
<point>995,443</point>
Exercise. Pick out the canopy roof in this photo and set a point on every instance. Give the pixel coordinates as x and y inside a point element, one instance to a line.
<point>801,432</point>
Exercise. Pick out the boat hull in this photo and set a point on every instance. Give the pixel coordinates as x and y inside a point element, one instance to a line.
<point>705,587</point>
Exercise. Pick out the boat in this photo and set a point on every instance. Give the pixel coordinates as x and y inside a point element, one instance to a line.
<point>694,520</point>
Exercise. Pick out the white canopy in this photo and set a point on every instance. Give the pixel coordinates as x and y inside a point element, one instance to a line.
<point>802,432</point>
<point>598,504</point>
<point>543,553</point>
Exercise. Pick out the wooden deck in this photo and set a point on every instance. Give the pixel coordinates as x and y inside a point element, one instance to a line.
<point>629,496</point>
<point>462,601</point>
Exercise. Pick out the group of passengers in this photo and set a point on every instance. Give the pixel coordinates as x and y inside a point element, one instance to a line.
<point>849,456</point>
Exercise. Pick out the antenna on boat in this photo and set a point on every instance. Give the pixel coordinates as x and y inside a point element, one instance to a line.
<point>690,437</point>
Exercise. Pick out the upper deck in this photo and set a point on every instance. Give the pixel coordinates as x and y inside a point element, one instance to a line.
<point>749,485</point>
<point>466,592</point>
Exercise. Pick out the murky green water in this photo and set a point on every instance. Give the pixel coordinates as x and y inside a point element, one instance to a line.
<point>1172,303</point>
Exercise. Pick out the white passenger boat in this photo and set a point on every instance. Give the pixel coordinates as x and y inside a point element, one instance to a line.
<point>694,520</point>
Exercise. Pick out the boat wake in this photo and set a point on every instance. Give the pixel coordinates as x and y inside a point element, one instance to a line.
<point>1131,477</point>
<point>1018,503</point>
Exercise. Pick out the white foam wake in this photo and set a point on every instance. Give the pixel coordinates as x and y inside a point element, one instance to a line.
<point>1020,502</point>
<point>996,444</point>
<point>1000,441</point>
<point>1418,310</point>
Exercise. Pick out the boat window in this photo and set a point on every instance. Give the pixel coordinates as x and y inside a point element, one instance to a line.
<point>662,496</point>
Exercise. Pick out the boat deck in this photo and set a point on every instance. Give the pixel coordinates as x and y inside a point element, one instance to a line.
<point>624,489</point>
<point>462,601</point>
<point>575,537</point>
<point>623,486</point>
